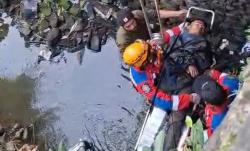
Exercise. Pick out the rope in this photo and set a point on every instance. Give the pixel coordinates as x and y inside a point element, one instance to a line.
<point>146,19</point>
<point>159,18</point>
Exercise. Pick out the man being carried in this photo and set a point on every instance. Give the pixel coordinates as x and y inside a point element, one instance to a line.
<point>190,55</point>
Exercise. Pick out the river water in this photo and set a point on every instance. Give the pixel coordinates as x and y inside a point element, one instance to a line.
<point>74,100</point>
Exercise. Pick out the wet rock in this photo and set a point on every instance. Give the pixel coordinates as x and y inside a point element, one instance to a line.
<point>69,22</point>
<point>53,20</point>
<point>80,25</point>
<point>24,28</point>
<point>75,9</point>
<point>105,11</point>
<point>89,8</point>
<point>43,25</point>
<point>53,37</point>
<point>44,54</point>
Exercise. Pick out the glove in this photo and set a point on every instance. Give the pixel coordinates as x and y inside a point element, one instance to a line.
<point>195,98</point>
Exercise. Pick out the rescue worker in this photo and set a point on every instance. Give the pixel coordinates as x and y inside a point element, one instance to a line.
<point>217,90</point>
<point>132,26</point>
<point>144,68</point>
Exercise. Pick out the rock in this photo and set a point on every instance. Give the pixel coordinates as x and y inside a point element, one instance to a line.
<point>10,146</point>
<point>25,134</point>
<point>69,22</point>
<point>44,54</point>
<point>2,139</point>
<point>2,130</point>
<point>75,10</point>
<point>19,134</point>
<point>53,20</point>
<point>53,37</point>
<point>16,126</point>
<point>24,28</point>
<point>4,3</point>
<point>27,147</point>
<point>80,25</point>
<point>43,25</point>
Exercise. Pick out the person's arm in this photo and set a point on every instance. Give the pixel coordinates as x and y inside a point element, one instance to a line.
<point>121,40</point>
<point>169,33</point>
<point>169,13</point>
<point>145,86</point>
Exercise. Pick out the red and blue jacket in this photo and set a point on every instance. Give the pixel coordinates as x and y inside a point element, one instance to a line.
<point>143,81</point>
<point>215,114</point>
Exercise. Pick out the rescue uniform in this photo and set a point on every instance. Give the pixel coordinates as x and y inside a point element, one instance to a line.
<point>215,114</point>
<point>143,81</point>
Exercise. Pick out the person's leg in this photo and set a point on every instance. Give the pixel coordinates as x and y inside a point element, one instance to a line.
<point>174,129</point>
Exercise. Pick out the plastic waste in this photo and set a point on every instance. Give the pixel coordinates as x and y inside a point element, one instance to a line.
<point>30,9</point>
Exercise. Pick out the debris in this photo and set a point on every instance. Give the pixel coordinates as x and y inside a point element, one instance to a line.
<point>30,9</point>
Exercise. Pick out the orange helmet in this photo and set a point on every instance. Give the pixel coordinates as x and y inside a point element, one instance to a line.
<point>136,53</point>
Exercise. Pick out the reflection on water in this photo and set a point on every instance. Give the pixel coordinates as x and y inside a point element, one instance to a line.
<point>4,29</point>
<point>65,96</point>
<point>16,97</point>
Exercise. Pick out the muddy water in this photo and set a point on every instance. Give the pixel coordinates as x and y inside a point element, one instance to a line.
<point>89,99</point>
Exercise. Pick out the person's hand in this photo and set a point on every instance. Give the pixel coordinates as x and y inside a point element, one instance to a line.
<point>192,70</point>
<point>182,13</point>
<point>195,98</point>
<point>152,42</point>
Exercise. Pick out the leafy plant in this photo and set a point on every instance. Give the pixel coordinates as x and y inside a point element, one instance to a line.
<point>196,140</point>
<point>64,4</point>
<point>45,9</point>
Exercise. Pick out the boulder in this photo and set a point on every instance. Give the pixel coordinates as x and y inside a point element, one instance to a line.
<point>53,20</point>
<point>53,37</point>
